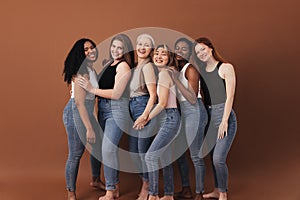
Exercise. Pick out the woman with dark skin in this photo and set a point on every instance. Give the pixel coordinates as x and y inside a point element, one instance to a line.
<point>81,126</point>
<point>194,117</point>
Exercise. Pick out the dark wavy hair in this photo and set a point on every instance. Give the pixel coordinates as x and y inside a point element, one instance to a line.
<point>208,43</point>
<point>172,60</point>
<point>188,42</point>
<point>75,61</point>
<point>128,48</point>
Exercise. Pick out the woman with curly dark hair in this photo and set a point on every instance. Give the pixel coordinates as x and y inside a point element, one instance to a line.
<point>78,118</point>
<point>194,118</point>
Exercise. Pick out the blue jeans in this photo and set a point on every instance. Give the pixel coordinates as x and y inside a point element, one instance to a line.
<point>76,145</point>
<point>161,150</point>
<point>140,141</point>
<point>222,146</point>
<point>193,116</point>
<point>113,118</point>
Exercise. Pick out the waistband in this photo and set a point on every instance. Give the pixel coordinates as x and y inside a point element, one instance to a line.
<point>171,109</point>
<point>86,100</point>
<point>105,99</point>
<point>216,105</point>
<point>137,97</point>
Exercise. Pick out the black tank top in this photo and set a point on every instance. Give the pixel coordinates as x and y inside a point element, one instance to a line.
<point>213,86</point>
<point>107,78</point>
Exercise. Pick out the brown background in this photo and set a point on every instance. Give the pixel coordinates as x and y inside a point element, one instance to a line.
<point>261,39</point>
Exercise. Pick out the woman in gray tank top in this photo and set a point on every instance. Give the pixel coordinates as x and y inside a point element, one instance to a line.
<point>220,86</point>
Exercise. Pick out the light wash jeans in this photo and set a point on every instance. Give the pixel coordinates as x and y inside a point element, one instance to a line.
<point>140,141</point>
<point>113,118</point>
<point>222,146</point>
<point>76,143</point>
<point>194,120</point>
<point>160,151</point>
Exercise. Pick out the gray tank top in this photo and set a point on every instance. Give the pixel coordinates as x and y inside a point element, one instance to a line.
<point>137,83</point>
<point>215,90</point>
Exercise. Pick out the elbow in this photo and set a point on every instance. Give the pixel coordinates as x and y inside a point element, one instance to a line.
<point>230,98</point>
<point>78,103</point>
<point>193,100</point>
<point>116,95</point>
<point>163,104</point>
<point>153,98</point>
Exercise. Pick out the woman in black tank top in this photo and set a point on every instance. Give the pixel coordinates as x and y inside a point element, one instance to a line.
<point>220,86</point>
<point>113,111</point>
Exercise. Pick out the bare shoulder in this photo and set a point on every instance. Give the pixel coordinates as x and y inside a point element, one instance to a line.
<point>191,69</point>
<point>226,66</point>
<point>164,75</point>
<point>226,69</point>
<point>164,72</point>
<point>148,66</point>
<point>123,66</point>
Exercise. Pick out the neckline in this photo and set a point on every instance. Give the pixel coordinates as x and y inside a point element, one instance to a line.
<point>116,63</point>
<point>216,66</point>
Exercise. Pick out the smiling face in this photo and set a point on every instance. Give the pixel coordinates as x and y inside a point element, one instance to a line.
<point>143,47</point>
<point>203,52</point>
<point>90,51</point>
<point>182,51</point>
<point>161,57</point>
<point>117,50</point>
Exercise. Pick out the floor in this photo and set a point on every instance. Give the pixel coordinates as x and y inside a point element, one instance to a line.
<point>278,180</point>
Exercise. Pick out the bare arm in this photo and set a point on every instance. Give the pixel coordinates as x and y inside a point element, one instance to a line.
<point>165,82</point>
<point>79,96</point>
<point>121,79</point>
<point>150,80</point>
<point>226,71</point>
<point>191,92</point>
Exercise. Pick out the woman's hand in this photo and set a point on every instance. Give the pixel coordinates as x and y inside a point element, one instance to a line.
<point>174,73</point>
<point>140,122</point>
<point>223,129</point>
<point>84,83</point>
<point>90,136</point>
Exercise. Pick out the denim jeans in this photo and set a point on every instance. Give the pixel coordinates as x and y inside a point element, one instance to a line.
<point>193,116</point>
<point>161,151</point>
<point>113,119</point>
<point>140,141</point>
<point>222,146</point>
<point>76,145</point>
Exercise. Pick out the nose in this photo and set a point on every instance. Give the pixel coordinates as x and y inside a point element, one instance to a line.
<point>91,50</point>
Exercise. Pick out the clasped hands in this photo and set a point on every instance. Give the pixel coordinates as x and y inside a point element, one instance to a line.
<point>140,122</point>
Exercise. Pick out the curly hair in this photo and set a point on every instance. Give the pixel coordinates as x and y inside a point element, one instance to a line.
<point>75,61</point>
